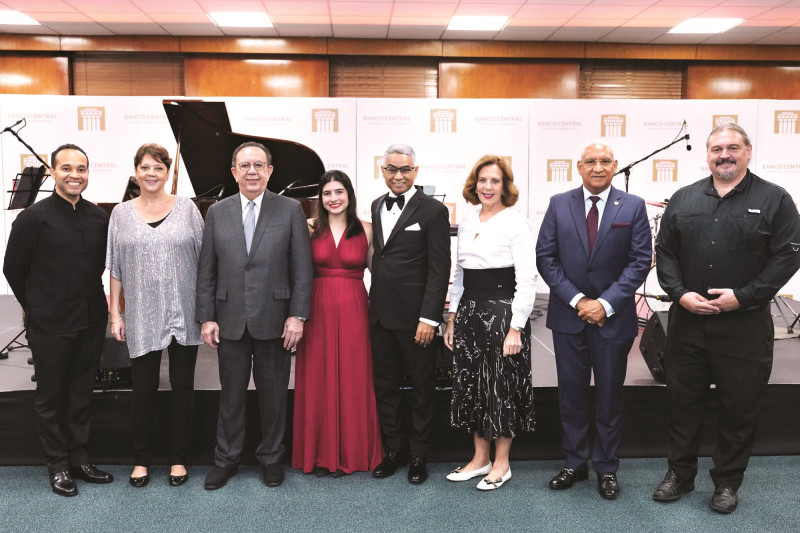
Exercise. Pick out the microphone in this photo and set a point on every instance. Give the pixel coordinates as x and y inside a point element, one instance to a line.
<point>688,144</point>
<point>658,297</point>
<point>17,123</point>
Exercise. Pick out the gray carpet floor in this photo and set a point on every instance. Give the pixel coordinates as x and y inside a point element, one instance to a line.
<point>769,502</point>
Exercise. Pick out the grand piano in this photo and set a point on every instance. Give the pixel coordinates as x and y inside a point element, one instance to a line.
<point>206,144</point>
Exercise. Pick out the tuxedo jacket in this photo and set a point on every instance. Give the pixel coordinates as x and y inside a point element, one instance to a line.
<point>411,270</point>
<point>616,268</point>
<point>260,289</point>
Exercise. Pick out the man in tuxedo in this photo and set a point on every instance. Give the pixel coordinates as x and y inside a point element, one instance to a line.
<point>54,262</point>
<point>594,251</point>
<point>410,273</point>
<point>253,295</point>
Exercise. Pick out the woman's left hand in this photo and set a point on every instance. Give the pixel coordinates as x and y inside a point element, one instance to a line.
<point>513,343</point>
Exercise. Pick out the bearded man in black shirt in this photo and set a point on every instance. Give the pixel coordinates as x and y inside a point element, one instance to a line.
<point>727,244</point>
<point>54,262</point>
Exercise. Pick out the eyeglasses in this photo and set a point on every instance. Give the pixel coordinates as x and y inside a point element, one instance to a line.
<point>258,165</point>
<point>405,171</point>
<point>603,162</point>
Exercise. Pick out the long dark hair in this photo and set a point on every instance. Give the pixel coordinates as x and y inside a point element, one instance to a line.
<point>354,227</point>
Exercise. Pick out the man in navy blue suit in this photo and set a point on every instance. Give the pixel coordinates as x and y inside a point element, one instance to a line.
<point>594,251</point>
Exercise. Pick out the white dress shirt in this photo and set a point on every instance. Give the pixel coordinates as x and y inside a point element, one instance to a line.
<point>389,218</point>
<point>504,240</point>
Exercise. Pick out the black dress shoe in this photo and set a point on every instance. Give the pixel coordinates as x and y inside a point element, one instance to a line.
<point>320,471</point>
<point>63,484</point>
<point>724,499</point>
<point>672,488</point>
<point>339,473</point>
<point>273,475</point>
<point>391,462</point>
<point>91,474</point>
<point>177,481</point>
<point>568,476</point>
<point>417,472</point>
<point>139,482</point>
<point>608,486</point>
<point>219,476</point>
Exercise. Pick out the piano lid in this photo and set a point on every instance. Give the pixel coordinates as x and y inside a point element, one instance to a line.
<point>207,144</point>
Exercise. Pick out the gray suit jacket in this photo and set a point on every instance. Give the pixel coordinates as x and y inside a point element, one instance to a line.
<point>260,289</point>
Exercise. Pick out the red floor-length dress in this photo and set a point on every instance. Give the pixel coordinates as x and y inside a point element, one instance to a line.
<point>335,417</point>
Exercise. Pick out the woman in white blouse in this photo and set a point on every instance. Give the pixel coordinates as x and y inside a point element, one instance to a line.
<point>487,327</point>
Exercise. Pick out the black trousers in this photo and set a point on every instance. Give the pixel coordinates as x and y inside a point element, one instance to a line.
<point>271,365</point>
<point>392,351</point>
<point>734,351</point>
<point>146,370</point>
<point>65,367</point>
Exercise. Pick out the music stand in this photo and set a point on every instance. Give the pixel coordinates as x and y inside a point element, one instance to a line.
<point>26,187</point>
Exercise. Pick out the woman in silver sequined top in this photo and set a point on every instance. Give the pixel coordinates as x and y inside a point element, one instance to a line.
<point>153,248</point>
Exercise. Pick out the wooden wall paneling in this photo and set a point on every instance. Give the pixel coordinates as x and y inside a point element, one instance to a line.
<point>33,43</point>
<point>240,76</point>
<point>382,47</point>
<point>508,79</point>
<point>749,52</point>
<point>516,49</point>
<point>34,74</point>
<point>134,43</point>
<point>742,80</point>
<point>254,45</point>
<point>641,51</point>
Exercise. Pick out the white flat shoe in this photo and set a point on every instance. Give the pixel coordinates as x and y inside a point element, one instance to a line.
<point>459,475</point>
<point>487,484</point>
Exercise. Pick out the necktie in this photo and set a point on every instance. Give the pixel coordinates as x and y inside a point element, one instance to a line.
<point>249,224</point>
<point>401,201</point>
<point>591,222</point>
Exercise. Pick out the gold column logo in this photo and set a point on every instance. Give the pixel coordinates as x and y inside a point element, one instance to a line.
<point>559,170</point>
<point>665,170</point>
<point>612,125</point>
<point>443,120</point>
<point>91,118</point>
<point>721,120</point>
<point>29,160</point>
<point>325,120</point>
<point>786,122</point>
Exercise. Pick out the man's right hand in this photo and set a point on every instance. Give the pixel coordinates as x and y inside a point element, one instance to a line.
<point>697,304</point>
<point>209,330</point>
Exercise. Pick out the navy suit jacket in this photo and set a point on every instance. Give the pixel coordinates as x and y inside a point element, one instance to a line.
<point>619,263</point>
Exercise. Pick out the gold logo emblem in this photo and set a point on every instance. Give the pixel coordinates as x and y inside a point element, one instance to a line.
<point>559,170</point>
<point>786,122</point>
<point>324,120</point>
<point>91,118</point>
<point>665,170</point>
<point>612,125</point>
<point>29,160</point>
<point>721,120</point>
<point>443,120</point>
<point>377,161</point>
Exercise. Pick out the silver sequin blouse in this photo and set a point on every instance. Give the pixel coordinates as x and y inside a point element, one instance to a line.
<point>158,270</point>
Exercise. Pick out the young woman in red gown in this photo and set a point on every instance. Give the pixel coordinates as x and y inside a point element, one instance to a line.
<point>335,419</point>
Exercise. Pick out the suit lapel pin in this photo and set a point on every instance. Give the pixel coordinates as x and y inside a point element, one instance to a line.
<point>616,202</point>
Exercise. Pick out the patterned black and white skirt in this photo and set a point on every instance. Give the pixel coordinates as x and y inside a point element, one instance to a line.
<point>492,394</point>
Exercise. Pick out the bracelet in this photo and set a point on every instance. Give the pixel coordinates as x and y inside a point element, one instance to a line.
<point>450,320</point>
<point>115,321</point>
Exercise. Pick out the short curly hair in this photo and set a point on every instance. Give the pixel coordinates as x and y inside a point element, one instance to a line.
<point>510,192</point>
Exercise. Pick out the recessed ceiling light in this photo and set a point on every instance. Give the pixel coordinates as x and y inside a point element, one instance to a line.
<point>15,18</point>
<point>241,19</point>
<point>476,23</point>
<point>706,25</point>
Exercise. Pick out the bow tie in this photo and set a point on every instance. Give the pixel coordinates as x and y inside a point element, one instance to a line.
<point>401,201</point>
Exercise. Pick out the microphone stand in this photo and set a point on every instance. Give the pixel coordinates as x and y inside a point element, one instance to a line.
<point>627,170</point>
<point>28,146</point>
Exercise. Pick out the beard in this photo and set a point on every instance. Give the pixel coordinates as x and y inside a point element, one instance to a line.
<point>726,175</point>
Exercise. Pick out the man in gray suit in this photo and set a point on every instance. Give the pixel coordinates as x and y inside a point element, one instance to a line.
<point>253,295</point>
